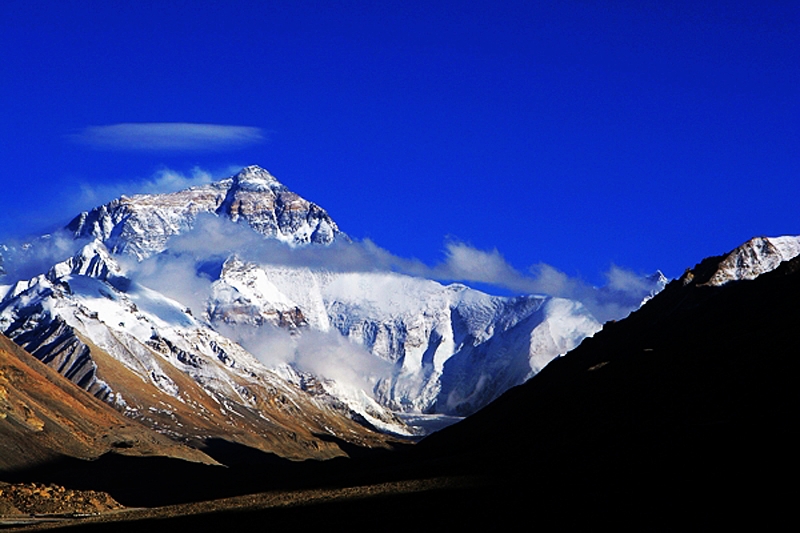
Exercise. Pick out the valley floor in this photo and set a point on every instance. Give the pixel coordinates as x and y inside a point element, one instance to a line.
<point>308,504</point>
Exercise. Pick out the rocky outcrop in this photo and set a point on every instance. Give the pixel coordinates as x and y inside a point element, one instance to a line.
<point>56,344</point>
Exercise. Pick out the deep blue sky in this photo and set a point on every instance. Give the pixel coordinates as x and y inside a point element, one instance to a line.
<point>580,134</point>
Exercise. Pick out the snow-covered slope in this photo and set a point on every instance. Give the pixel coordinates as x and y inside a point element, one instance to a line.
<point>451,349</point>
<point>755,257</point>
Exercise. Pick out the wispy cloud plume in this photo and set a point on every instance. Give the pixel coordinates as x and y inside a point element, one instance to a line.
<point>22,260</point>
<point>169,136</point>
<point>623,292</point>
<point>465,263</point>
<point>323,353</point>
<point>162,181</point>
<point>215,238</point>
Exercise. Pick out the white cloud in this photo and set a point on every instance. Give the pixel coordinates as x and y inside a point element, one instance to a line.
<point>175,277</point>
<point>214,237</point>
<point>21,260</point>
<point>169,136</point>
<point>166,180</point>
<point>622,294</point>
<point>335,356</point>
<point>466,263</point>
<point>625,281</point>
<point>324,353</point>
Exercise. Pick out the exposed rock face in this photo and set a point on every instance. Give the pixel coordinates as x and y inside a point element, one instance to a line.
<point>43,416</point>
<point>55,343</point>
<point>245,295</point>
<point>92,260</point>
<point>141,225</point>
<point>271,209</point>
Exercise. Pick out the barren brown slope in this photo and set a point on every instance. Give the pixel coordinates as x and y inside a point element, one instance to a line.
<point>44,416</point>
<point>284,421</point>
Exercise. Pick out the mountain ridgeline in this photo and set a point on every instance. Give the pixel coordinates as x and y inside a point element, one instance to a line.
<point>147,339</point>
<point>202,314</point>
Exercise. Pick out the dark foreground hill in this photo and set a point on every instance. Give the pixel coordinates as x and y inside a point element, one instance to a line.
<point>680,417</point>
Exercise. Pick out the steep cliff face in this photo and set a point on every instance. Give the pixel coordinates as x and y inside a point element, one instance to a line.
<point>450,349</point>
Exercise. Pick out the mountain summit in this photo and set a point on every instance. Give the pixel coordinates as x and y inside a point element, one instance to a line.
<point>140,225</point>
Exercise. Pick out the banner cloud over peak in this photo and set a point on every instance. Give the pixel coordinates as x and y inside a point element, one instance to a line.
<point>169,136</point>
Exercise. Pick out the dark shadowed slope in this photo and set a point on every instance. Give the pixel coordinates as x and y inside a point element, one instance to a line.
<point>680,416</point>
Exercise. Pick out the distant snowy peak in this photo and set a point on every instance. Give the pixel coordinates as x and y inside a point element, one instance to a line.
<point>755,257</point>
<point>141,225</point>
<point>92,260</point>
<point>433,349</point>
<point>658,280</point>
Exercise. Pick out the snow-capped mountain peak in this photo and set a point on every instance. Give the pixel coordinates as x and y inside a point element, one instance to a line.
<point>141,225</point>
<point>256,179</point>
<point>380,347</point>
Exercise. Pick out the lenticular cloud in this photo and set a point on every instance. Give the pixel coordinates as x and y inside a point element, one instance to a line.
<point>169,136</point>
